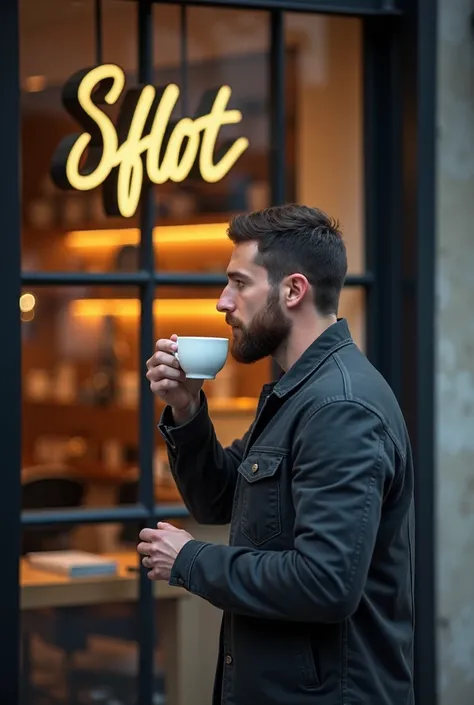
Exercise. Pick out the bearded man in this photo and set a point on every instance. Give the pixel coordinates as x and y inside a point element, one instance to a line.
<point>316,584</point>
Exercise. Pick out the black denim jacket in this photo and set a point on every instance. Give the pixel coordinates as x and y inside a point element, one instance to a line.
<point>316,584</point>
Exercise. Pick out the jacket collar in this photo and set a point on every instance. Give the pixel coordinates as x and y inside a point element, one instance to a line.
<point>333,338</point>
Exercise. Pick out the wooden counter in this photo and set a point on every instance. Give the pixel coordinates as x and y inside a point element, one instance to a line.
<point>44,589</point>
<point>41,588</point>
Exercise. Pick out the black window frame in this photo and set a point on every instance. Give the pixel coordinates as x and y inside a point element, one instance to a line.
<point>399,136</point>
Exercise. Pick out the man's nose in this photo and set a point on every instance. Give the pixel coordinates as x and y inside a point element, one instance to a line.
<point>225,303</point>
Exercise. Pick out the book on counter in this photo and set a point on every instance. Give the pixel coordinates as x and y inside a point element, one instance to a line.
<point>75,564</point>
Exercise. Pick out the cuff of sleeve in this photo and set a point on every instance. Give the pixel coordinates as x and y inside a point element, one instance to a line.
<point>192,431</point>
<point>183,565</point>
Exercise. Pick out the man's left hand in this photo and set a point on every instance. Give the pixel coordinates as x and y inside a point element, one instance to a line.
<point>160,548</point>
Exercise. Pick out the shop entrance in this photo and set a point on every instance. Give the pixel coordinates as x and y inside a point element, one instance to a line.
<point>304,101</point>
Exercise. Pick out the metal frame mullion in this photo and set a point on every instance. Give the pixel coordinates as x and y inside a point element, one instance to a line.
<point>99,43</point>
<point>277,108</point>
<point>419,91</point>
<point>383,194</point>
<point>104,515</point>
<point>327,7</point>
<point>400,146</point>
<point>10,350</point>
<point>85,278</point>
<point>142,278</point>
<point>146,620</point>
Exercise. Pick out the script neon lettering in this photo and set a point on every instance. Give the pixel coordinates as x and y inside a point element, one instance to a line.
<point>145,145</point>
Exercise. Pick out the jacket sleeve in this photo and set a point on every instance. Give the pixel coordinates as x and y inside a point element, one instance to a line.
<point>205,472</point>
<point>339,475</point>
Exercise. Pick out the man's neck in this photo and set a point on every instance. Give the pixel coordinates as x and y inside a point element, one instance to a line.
<point>302,336</point>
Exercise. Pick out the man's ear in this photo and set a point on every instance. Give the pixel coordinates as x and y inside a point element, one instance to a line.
<point>295,288</point>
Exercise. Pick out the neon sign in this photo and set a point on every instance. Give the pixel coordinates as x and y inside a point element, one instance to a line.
<point>144,144</point>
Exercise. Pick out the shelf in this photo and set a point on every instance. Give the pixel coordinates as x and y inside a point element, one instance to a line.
<point>49,418</point>
<point>199,245</point>
<point>193,235</point>
<point>174,309</point>
<point>112,223</point>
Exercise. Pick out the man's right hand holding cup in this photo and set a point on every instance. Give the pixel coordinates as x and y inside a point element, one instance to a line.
<point>169,383</point>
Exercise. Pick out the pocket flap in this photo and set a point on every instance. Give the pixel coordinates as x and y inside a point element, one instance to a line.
<point>258,466</point>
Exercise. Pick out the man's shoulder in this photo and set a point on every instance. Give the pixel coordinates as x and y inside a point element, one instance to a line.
<point>349,377</point>
<point>348,374</point>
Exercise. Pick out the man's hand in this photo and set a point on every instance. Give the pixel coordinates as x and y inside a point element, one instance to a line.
<point>169,383</point>
<point>160,548</point>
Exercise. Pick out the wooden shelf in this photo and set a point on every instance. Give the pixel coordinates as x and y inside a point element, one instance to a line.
<point>99,424</point>
<point>32,234</point>
<point>49,418</point>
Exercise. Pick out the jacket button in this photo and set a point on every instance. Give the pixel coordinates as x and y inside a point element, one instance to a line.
<point>228,659</point>
<point>255,467</point>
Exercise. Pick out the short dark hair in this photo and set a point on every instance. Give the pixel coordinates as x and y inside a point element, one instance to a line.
<point>294,238</point>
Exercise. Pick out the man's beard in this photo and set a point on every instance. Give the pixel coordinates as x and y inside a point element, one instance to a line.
<point>265,334</point>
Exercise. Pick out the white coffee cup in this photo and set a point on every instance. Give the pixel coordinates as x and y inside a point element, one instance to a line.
<point>202,358</point>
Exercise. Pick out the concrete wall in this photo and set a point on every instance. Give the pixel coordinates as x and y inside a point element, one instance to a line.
<point>455,353</point>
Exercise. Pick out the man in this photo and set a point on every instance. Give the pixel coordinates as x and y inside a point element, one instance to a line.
<point>316,585</point>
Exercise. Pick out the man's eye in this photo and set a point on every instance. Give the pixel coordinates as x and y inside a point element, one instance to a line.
<point>239,284</point>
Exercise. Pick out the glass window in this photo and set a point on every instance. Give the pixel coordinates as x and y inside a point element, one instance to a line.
<point>328,129</point>
<point>56,42</point>
<point>81,356</point>
<point>82,362</point>
<point>352,306</point>
<point>205,51</point>
<point>80,380</point>
<point>80,635</point>
<point>327,132</point>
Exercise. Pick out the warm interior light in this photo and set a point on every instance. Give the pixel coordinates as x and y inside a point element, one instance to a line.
<point>27,302</point>
<point>189,235</point>
<point>234,404</point>
<point>164,308</point>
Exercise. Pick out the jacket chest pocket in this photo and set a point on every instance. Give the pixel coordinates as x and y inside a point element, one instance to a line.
<point>261,518</point>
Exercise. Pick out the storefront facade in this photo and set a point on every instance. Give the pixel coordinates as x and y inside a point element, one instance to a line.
<point>325,103</point>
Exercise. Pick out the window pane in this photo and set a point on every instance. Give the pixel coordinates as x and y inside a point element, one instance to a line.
<point>80,391</point>
<point>352,306</point>
<point>226,62</point>
<point>80,634</point>
<point>327,89</point>
<point>223,48</point>
<point>57,40</point>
